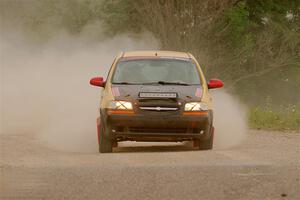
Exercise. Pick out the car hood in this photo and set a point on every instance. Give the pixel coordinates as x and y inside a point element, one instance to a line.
<point>132,92</point>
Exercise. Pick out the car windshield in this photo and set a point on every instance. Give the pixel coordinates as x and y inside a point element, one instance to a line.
<point>156,71</point>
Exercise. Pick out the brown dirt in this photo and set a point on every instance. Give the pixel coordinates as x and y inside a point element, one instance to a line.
<point>265,166</point>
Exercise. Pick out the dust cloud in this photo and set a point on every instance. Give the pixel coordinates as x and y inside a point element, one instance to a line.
<point>45,87</point>
<point>45,90</point>
<point>230,120</point>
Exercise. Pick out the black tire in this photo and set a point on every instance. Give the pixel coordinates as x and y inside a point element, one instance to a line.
<point>105,145</point>
<point>208,143</point>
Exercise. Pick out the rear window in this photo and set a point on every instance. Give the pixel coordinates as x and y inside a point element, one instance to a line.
<point>155,70</point>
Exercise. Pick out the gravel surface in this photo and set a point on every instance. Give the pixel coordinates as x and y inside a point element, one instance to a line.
<point>265,166</point>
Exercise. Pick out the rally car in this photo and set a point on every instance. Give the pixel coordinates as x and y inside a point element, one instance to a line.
<point>155,96</point>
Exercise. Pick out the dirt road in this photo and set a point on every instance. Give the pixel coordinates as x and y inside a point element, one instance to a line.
<point>265,166</point>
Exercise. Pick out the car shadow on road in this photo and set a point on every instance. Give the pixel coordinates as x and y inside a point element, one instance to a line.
<point>153,147</point>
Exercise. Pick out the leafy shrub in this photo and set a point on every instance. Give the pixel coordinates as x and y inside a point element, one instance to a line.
<point>284,117</point>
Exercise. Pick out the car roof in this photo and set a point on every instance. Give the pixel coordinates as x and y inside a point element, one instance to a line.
<point>176,54</point>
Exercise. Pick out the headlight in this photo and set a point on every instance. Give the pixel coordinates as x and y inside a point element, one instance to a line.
<point>120,105</point>
<point>195,106</point>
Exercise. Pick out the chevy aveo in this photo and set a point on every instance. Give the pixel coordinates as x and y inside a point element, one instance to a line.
<point>155,96</point>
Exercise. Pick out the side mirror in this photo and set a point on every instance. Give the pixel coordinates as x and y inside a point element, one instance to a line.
<point>97,81</point>
<point>215,83</point>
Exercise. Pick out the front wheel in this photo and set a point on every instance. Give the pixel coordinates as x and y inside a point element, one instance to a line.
<point>208,143</point>
<point>105,143</point>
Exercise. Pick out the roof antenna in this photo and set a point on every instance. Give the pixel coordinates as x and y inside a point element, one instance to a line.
<point>155,53</point>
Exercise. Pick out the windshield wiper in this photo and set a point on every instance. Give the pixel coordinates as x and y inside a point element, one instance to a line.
<point>152,83</point>
<point>172,83</point>
<point>166,83</point>
<point>124,83</point>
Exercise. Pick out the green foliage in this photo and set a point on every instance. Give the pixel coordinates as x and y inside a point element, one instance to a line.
<point>274,8</point>
<point>280,118</point>
<point>120,16</point>
<point>239,24</point>
<point>247,43</point>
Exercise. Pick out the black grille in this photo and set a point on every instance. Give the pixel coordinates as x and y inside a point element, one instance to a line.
<point>159,103</point>
<point>153,130</point>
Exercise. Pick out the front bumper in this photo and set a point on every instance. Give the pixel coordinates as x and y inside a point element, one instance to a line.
<point>158,127</point>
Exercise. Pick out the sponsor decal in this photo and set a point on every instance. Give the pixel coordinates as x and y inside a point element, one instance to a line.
<point>174,58</point>
<point>115,91</point>
<point>157,95</point>
<point>198,92</point>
